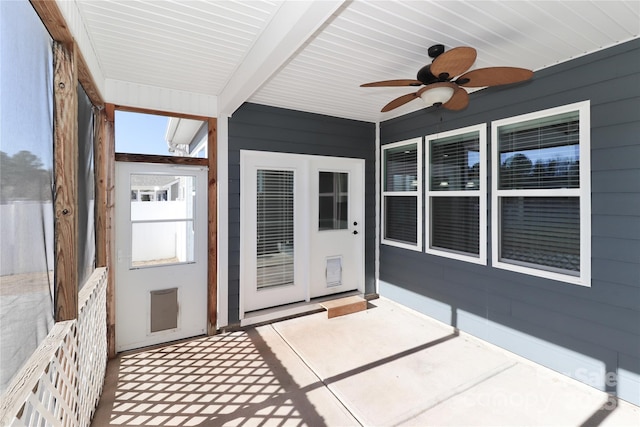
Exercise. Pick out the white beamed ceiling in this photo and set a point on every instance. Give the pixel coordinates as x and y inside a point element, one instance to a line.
<point>216,49</point>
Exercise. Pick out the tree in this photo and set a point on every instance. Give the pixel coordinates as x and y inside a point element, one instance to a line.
<point>24,178</point>
<point>516,172</point>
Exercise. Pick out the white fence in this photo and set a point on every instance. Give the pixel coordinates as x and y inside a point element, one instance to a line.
<point>60,385</point>
<point>26,229</point>
<point>161,240</point>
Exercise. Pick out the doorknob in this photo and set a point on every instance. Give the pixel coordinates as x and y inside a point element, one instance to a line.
<point>355,231</point>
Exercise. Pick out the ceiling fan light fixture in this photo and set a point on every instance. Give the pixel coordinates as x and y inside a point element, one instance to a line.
<point>437,95</point>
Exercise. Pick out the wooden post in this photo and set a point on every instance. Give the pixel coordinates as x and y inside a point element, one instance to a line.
<point>105,172</point>
<point>65,146</point>
<point>111,272</point>
<point>110,171</point>
<point>212,268</point>
<point>100,154</point>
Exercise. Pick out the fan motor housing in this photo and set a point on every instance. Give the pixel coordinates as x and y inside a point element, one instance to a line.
<point>435,50</point>
<point>425,75</point>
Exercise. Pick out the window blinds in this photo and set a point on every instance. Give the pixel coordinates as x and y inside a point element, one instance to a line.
<point>455,163</point>
<point>543,231</point>
<point>401,194</point>
<point>275,228</point>
<point>401,223</point>
<point>540,154</point>
<point>455,219</point>
<point>401,168</point>
<point>455,224</point>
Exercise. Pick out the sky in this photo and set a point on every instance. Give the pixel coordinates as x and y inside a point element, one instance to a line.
<point>141,133</point>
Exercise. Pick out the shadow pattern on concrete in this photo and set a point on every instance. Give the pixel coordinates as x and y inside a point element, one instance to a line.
<point>230,379</point>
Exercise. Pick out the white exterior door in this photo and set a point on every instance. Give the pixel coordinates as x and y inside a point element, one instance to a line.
<point>337,226</point>
<point>302,228</point>
<point>160,253</point>
<point>272,231</point>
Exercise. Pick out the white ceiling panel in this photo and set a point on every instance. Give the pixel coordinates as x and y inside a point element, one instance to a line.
<point>380,40</point>
<point>192,46</point>
<point>203,46</point>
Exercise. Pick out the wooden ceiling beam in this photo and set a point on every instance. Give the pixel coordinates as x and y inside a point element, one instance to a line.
<point>157,112</point>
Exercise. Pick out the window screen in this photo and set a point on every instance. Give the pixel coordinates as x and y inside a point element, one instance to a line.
<point>26,186</point>
<point>86,189</point>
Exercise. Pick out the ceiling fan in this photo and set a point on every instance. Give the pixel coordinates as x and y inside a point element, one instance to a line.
<point>439,87</point>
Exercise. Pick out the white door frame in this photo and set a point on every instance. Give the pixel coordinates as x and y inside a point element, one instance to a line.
<point>302,164</point>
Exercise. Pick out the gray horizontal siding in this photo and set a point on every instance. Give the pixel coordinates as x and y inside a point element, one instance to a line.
<point>566,327</point>
<point>258,127</point>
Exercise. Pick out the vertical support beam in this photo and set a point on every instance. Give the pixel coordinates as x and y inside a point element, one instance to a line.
<point>111,232</point>
<point>105,179</point>
<point>65,146</point>
<point>100,155</point>
<point>212,262</point>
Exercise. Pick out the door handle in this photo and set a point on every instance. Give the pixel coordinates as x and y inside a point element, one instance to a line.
<point>355,231</point>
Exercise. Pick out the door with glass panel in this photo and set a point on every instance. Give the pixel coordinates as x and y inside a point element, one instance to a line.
<point>302,230</point>
<point>336,241</point>
<point>272,240</point>
<point>160,253</point>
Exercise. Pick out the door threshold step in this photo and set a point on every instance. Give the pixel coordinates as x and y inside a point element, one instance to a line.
<point>342,306</point>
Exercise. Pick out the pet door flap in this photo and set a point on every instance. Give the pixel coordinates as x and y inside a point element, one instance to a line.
<point>334,271</point>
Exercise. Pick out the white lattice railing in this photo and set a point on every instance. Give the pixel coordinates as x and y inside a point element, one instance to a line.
<point>61,383</point>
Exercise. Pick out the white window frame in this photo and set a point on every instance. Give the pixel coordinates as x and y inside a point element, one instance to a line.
<point>481,193</point>
<point>417,194</point>
<point>583,193</point>
<point>201,148</point>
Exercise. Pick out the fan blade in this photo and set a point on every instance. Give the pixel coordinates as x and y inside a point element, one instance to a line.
<point>399,101</point>
<point>454,62</point>
<point>402,82</point>
<point>458,101</point>
<point>495,76</point>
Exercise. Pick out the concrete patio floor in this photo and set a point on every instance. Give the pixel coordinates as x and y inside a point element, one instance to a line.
<point>386,366</point>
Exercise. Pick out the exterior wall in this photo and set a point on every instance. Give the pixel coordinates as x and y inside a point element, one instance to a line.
<point>258,127</point>
<point>584,332</point>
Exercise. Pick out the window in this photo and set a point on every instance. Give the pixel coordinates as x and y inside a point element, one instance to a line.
<point>333,198</point>
<point>275,224</point>
<point>162,231</point>
<point>456,194</point>
<point>402,194</point>
<point>541,217</point>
